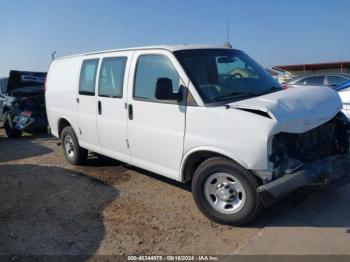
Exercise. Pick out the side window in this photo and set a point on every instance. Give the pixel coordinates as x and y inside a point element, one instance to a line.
<point>88,77</point>
<point>301,82</point>
<point>335,80</point>
<point>149,69</point>
<point>315,80</point>
<point>112,77</point>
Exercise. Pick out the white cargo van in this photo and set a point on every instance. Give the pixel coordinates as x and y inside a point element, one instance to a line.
<point>206,115</point>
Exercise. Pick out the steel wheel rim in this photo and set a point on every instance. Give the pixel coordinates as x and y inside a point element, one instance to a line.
<point>69,146</point>
<point>225,193</point>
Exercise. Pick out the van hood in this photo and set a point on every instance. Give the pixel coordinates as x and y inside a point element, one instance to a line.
<point>296,110</point>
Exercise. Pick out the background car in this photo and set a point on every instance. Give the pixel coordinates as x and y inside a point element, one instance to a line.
<point>331,80</point>
<point>22,103</point>
<point>343,87</point>
<point>3,86</point>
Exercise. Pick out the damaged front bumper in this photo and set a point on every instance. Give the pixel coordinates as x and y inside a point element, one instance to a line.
<point>325,171</point>
<point>30,122</point>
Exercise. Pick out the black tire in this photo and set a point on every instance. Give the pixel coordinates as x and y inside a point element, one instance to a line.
<point>250,207</point>
<point>11,132</point>
<point>78,155</point>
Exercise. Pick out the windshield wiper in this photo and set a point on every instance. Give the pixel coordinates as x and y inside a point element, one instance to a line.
<point>235,95</point>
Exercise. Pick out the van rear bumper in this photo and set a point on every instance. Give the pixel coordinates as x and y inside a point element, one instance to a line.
<point>326,170</point>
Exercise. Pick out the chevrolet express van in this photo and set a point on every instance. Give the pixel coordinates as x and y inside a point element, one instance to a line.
<point>206,115</point>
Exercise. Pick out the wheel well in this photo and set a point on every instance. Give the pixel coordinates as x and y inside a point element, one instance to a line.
<point>194,160</point>
<point>197,158</point>
<point>61,125</point>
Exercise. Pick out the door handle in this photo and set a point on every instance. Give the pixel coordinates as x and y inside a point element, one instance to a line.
<point>130,112</point>
<point>99,105</point>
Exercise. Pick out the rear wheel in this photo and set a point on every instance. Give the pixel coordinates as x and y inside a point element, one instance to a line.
<point>10,130</point>
<point>75,154</point>
<point>225,192</point>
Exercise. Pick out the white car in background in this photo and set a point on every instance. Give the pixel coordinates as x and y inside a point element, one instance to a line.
<point>329,80</point>
<point>344,93</point>
<point>205,115</point>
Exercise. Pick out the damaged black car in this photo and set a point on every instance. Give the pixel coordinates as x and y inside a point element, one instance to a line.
<point>22,103</point>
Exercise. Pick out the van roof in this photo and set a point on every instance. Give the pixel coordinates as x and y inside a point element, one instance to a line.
<point>171,48</point>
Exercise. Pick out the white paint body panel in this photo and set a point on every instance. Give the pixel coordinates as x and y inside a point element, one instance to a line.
<point>61,92</point>
<point>344,96</point>
<point>112,123</point>
<point>297,110</point>
<point>162,136</point>
<point>156,133</point>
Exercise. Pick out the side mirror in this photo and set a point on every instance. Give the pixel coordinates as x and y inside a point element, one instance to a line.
<point>164,90</point>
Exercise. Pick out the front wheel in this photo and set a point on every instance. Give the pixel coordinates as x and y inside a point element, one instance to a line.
<point>10,130</point>
<point>75,154</point>
<point>225,192</point>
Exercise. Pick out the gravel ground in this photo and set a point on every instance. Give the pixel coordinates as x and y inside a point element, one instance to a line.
<point>105,207</point>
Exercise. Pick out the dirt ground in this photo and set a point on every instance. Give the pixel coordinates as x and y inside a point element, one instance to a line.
<point>48,206</point>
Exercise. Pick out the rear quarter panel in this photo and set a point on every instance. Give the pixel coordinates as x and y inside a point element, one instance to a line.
<point>61,92</point>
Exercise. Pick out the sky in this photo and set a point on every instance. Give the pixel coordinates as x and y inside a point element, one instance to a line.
<point>272,32</point>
